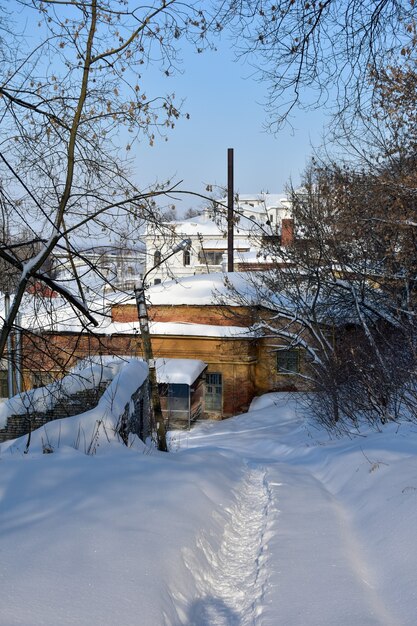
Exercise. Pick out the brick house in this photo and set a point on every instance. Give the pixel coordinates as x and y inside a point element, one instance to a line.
<point>187,322</point>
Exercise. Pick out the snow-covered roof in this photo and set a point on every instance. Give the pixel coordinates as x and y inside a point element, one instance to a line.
<point>188,329</point>
<point>273,200</point>
<point>95,237</point>
<point>263,200</point>
<point>205,225</point>
<point>221,244</point>
<point>202,289</point>
<point>233,289</point>
<point>93,247</point>
<point>200,224</point>
<point>178,371</point>
<point>182,329</point>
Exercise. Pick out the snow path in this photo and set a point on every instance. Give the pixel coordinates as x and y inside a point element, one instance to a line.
<point>288,554</point>
<point>231,587</point>
<point>260,520</point>
<point>310,536</point>
<point>320,557</point>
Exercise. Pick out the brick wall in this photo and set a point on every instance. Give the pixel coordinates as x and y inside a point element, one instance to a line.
<point>134,419</point>
<point>234,358</point>
<point>287,232</point>
<point>18,425</point>
<point>247,365</point>
<point>212,315</point>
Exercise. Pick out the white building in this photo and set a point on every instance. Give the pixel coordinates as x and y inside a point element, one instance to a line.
<point>265,207</point>
<point>99,268</point>
<point>256,216</point>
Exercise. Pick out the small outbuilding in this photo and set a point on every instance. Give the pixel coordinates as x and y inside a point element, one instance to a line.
<point>181,389</point>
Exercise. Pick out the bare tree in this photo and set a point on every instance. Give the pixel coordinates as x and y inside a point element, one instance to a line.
<point>344,293</point>
<point>315,53</point>
<point>192,212</point>
<point>72,105</point>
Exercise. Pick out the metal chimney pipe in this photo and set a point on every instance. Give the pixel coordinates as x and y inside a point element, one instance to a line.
<point>230,206</point>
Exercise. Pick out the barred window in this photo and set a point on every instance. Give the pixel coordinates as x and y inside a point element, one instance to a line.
<point>214,392</point>
<point>288,361</point>
<point>4,389</point>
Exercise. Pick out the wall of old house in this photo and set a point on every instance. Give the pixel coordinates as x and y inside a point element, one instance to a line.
<point>194,314</point>
<point>58,352</point>
<point>267,376</point>
<point>234,359</point>
<point>248,366</point>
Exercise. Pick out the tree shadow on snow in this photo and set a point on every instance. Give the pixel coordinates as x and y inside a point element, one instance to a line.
<point>208,611</point>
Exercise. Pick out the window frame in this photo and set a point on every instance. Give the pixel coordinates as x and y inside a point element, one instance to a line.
<point>42,378</point>
<point>215,396</point>
<point>4,383</point>
<point>212,257</point>
<point>186,258</point>
<point>292,358</point>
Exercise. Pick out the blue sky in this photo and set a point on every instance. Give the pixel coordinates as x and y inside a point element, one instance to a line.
<point>226,111</point>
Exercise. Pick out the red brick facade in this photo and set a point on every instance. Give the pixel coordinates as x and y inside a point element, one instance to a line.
<point>247,365</point>
<point>193,314</point>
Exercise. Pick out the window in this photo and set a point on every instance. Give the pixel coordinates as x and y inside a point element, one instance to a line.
<point>157,281</point>
<point>214,392</point>
<point>288,361</point>
<point>174,396</point>
<point>157,257</point>
<point>211,257</point>
<point>4,389</point>
<point>40,379</point>
<point>186,257</point>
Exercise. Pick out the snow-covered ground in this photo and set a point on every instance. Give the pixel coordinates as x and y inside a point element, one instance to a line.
<point>260,520</point>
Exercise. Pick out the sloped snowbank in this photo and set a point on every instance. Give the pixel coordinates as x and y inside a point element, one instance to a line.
<point>96,428</point>
<point>98,370</point>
